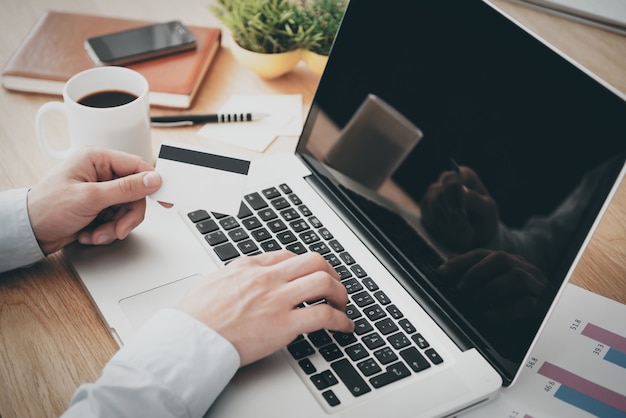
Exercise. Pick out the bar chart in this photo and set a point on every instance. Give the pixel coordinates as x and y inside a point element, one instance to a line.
<point>577,367</point>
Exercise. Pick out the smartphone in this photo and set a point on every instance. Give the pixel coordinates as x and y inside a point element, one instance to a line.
<point>140,44</point>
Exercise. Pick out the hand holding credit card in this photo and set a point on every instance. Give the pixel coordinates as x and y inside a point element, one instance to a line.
<point>196,179</point>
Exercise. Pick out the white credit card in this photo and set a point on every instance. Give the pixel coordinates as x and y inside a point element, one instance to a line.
<point>195,178</point>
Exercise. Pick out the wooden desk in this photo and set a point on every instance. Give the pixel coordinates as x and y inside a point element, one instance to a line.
<point>51,337</point>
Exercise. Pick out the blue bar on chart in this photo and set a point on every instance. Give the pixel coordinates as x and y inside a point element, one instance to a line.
<point>585,394</point>
<point>616,354</point>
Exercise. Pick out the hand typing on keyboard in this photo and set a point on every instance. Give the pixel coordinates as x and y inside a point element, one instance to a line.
<point>253,301</point>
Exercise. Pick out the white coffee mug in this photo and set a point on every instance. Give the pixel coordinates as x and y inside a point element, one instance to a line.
<point>106,107</point>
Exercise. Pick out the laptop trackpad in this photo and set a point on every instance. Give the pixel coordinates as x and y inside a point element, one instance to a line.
<point>142,306</point>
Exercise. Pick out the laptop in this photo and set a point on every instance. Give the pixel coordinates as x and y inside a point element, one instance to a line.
<point>414,93</point>
<point>606,14</point>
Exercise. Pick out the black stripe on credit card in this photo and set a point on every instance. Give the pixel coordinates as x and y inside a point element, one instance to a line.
<point>203,159</point>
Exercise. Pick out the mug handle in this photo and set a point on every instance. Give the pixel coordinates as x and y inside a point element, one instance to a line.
<point>43,142</point>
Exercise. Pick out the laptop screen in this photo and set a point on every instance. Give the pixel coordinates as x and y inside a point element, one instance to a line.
<point>478,156</point>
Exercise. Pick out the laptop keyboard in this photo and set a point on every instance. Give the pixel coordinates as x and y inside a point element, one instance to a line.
<point>385,347</point>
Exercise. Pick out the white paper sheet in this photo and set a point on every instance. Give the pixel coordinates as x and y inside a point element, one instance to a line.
<point>284,119</point>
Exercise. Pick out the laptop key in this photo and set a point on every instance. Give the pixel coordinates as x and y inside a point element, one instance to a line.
<point>331,352</point>
<point>226,251</point>
<point>350,377</point>
<point>385,355</point>
<point>331,398</point>
<point>247,247</point>
<point>295,199</point>
<point>414,359</point>
<point>285,188</point>
<point>267,214</point>
<point>361,326</point>
<point>280,203</point>
<point>433,356</point>
<point>255,201</point>
<point>286,237</point>
<point>296,248</point>
<point>373,340</point>
<point>289,214</point>
<point>300,349</point>
<point>320,338</point>
<point>370,284</point>
<point>393,373</point>
<point>238,234</point>
<point>271,193</point>
<point>398,340</point>
<point>306,366</point>
<point>344,338</point>
<point>420,341</point>
<point>357,352</point>
<point>198,215</point>
<point>369,367</point>
<point>324,380</point>
<point>270,245</point>
<point>207,226</point>
<point>251,223</point>
<point>407,326</point>
<point>215,238</point>
<point>229,223</point>
<point>352,312</point>
<point>261,234</point>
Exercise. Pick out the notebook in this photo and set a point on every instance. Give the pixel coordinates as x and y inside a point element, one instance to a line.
<point>460,89</point>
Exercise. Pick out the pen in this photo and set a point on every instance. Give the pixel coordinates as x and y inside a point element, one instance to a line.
<point>457,169</point>
<point>184,120</point>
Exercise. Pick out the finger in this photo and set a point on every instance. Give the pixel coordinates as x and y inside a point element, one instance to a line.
<point>478,203</point>
<point>265,259</point>
<point>304,264</point>
<point>118,226</point>
<point>453,193</point>
<point>321,316</point>
<point>273,257</point>
<point>459,264</point>
<point>315,286</point>
<point>117,163</point>
<point>103,234</point>
<point>129,217</point>
<point>124,189</point>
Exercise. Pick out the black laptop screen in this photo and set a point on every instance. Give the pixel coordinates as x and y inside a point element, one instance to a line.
<point>448,118</point>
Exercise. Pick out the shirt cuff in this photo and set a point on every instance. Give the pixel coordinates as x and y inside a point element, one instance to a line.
<point>18,245</point>
<point>183,354</point>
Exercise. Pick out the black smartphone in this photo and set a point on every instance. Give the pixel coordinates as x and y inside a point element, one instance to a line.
<point>140,44</point>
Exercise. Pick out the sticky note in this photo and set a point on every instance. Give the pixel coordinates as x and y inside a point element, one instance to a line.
<point>196,179</point>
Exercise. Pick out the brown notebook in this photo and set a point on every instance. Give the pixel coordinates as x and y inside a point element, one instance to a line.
<point>53,51</point>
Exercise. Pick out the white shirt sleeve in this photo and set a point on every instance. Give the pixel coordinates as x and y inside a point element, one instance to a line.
<point>18,245</point>
<point>174,367</point>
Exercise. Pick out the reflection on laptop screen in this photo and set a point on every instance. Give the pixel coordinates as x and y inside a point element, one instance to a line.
<point>472,146</point>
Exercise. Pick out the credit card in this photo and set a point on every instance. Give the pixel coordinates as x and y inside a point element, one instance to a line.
<point>196,179</point>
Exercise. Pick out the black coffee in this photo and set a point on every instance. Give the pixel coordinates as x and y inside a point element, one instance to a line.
<point>108,98</point>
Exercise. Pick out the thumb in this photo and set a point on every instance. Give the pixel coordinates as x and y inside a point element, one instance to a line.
<point>129,188</point>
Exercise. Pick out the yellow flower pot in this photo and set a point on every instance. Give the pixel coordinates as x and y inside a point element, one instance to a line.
<point>315,61</point>
<point>267,66</point>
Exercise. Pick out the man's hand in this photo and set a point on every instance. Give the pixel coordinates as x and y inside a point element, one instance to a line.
<point>96,196</point>
<point>458,210</point>
<point>253,301</point>
<point>501,287</point>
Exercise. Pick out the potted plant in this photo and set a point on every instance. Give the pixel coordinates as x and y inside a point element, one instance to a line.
<point>266,34</point>
<point>321,18</point>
